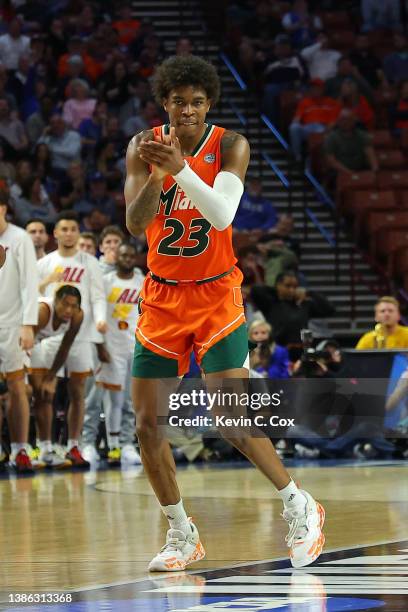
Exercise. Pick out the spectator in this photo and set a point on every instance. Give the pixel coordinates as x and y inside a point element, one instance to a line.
<point>88,243</point>
<point>72,189</point>
<point>283,72</point>
<point>24,171</point>
<point>32,204</point>
<point>399,110</point>
<point>108,163</point>
<point>288,307</point>
<point>387,334</point>
<point>351,99</point>
<point>366,62</point>
<point>42,166</point>
<point>64,144</point>
<point>346,70</point>
<point>77,51</point>
<point>97,198</point>
<point>147,118</point>
<point>37,229</point>
<point>255,212</point>
<point>13,45</point>
<point>396,63</point>
<point>12,131</point>
<point>93,129</point>
<point>320,59</point>
<point>184,46</point>
<point>94,221</point>
<point>378,14</point>
<point>268,358</point>
<point>80,105</point>
<point>115,86</point>
<point>262,26</point>
<point>279,249</point>
<point>56,39</point>
<point>349,149</point>
<point>36,123</point>
<point>21,82</point>
<point>75,70</point>
<point>314,114</point>
<point>126,25</point>
<point>140,92</point>
<point>4,93</point>
<point>301,25</point>
<point>7,170</point>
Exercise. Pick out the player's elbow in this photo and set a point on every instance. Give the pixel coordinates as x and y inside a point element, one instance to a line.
<point>133,228</point>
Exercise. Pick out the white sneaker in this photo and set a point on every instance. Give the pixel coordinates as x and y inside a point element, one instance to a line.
<point>130,455</point>
<point>305,538</point>
<point>179,551</point>
<point>90,454</point>
<point>53,460</point>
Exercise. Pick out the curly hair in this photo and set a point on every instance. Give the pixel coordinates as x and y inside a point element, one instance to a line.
<point>185,70</point>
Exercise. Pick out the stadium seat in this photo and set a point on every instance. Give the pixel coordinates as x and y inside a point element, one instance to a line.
<point>363,201</point>
<point>392,159</point>
<point>347,183</point>
<point>382,139</point>
<point>392,179</point>
<point>401,198</point>
<point>377,224</point>
<point>389,243</point>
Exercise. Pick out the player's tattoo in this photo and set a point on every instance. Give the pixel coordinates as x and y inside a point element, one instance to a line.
<point>142,209</point>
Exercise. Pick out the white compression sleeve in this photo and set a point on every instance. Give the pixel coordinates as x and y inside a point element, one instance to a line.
<point>217,204</point>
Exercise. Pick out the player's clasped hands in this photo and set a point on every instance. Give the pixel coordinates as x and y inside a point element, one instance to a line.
<point>164,154</point>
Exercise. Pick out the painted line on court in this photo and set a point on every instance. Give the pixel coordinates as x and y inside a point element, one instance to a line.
<point>229,567</point>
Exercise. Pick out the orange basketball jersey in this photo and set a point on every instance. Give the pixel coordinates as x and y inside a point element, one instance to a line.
<point>182,244</point>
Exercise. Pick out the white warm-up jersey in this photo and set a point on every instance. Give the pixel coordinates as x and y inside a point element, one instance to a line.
<point>83,272</point>
<point>122,299</point>
<point>48,331</point>
<point>18,279</point>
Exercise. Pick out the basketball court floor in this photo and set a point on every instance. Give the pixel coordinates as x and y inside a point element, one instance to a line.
<point>82,541</point>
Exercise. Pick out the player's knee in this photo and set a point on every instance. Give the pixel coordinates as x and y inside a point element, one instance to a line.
<point>146,428</point>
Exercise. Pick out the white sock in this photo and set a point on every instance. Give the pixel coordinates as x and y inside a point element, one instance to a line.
<point>45,446</point>
<point>71,443</point>
<point>16,447</point>
<point>292,497</point>
<point>177,517</point>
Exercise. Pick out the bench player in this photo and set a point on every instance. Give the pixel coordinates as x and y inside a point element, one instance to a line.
<point>81,270</point>
<point>122,289</point>
<point>59,317</point>
<point>18,315</point>
<point>183,186</point>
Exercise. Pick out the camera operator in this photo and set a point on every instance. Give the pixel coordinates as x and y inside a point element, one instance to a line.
<point>330,414</point>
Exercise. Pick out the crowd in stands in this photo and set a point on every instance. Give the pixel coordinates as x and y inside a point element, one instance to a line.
<point>74,88</point>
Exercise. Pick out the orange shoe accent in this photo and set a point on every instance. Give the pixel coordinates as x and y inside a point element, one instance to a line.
<point>199,553</point>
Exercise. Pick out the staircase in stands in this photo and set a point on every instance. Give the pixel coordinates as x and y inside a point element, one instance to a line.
<point>173,19</point>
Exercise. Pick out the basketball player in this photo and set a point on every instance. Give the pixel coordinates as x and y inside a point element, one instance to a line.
<point>60,317</point>
<point>82,271</point>
<point>122,289</point>
<point>18,315</point>
<point>38,232</point>
<point>183,186</point>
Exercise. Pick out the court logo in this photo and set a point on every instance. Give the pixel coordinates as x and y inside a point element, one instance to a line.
<point>209,158</point>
